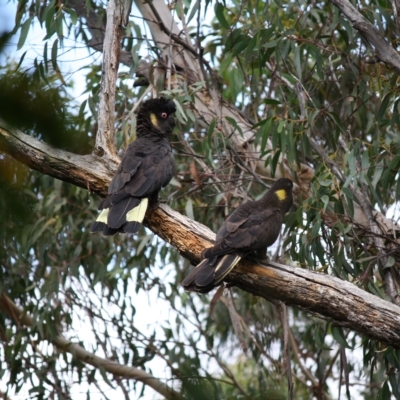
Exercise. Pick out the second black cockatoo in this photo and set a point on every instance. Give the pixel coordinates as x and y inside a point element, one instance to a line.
<point>252,227</point>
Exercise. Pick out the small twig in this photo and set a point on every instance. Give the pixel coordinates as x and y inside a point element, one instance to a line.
<point>345,368</point>
<point>77,351</point>
<point>286,349</point>
<point>235,320</point>
<point>241,163</point>
<point>295,351</point>
<point>137,104</point>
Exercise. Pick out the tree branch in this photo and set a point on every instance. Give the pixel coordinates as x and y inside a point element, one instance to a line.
<point>322,295</point>
<point>88,171</point>
<point>385,52</point>
<point>327,297</point>
<point>79,353</point>
<point>105,140</point>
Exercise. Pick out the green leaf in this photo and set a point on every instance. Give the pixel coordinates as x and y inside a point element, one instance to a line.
<point>281,125</point>
<point>235,125</point>
<point>377,175</point>
<point>143,243</point>
<point>366,259</point>
<point>349,30</point>
<point>240,46</point>
<point>193,11</point>
<point>265,135</point>
<point>72,14</point>
<point>348,192</point>
<point>263,132</point>
<point>24,32</point>
<point>390,172</point>
<point>383,107</point>
<point>338,335</point>
<point>274,162</point>
<point>390,262</point>
<point>297,60</point>
<point>384,393</point>
<point>54,50</point>
<point>180,113</point>
<point>325,200</point>
<point>20,61</point>
<point>269,45</point>
<point>347,200</point>
<point>251,46</point>
<point>104,376</point>
<point>234,37</point>
<point>325,182</point>
<point>315,229</point>
<point>219,13</point>
<point>189,209</point>
<point>319,336</point>
<point>210,130</point>
<point>59,24</point>
<point>271,101</point>
<point>337,121</point>
<point>45,57</point>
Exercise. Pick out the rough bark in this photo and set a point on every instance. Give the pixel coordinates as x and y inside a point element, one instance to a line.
<point>327,297</point>
<point>105,141</point>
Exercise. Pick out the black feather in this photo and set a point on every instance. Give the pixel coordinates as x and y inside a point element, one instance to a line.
<point>132,227</point>
<point>117,213</point>
<point>210,272</point>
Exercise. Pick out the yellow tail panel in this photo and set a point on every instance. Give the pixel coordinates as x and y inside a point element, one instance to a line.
<point>137,214</point>
<point>103,216</point>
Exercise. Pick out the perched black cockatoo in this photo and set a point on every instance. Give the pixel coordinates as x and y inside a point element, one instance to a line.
<point>252,227</point>
<point>147,165</point>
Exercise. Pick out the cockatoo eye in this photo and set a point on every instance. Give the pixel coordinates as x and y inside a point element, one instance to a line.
<point>164,115</point>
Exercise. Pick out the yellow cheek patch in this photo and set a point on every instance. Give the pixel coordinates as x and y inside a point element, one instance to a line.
<point>154,120</point>
<point>281,193</point>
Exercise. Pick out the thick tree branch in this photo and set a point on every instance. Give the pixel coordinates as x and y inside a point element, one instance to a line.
<point>105,140</point>
<point>384,51</point>
<point>327,297</point>
<point>164,29</point>
<point>87,171</point>
<point>79,353</point>
<point>330,298</point>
